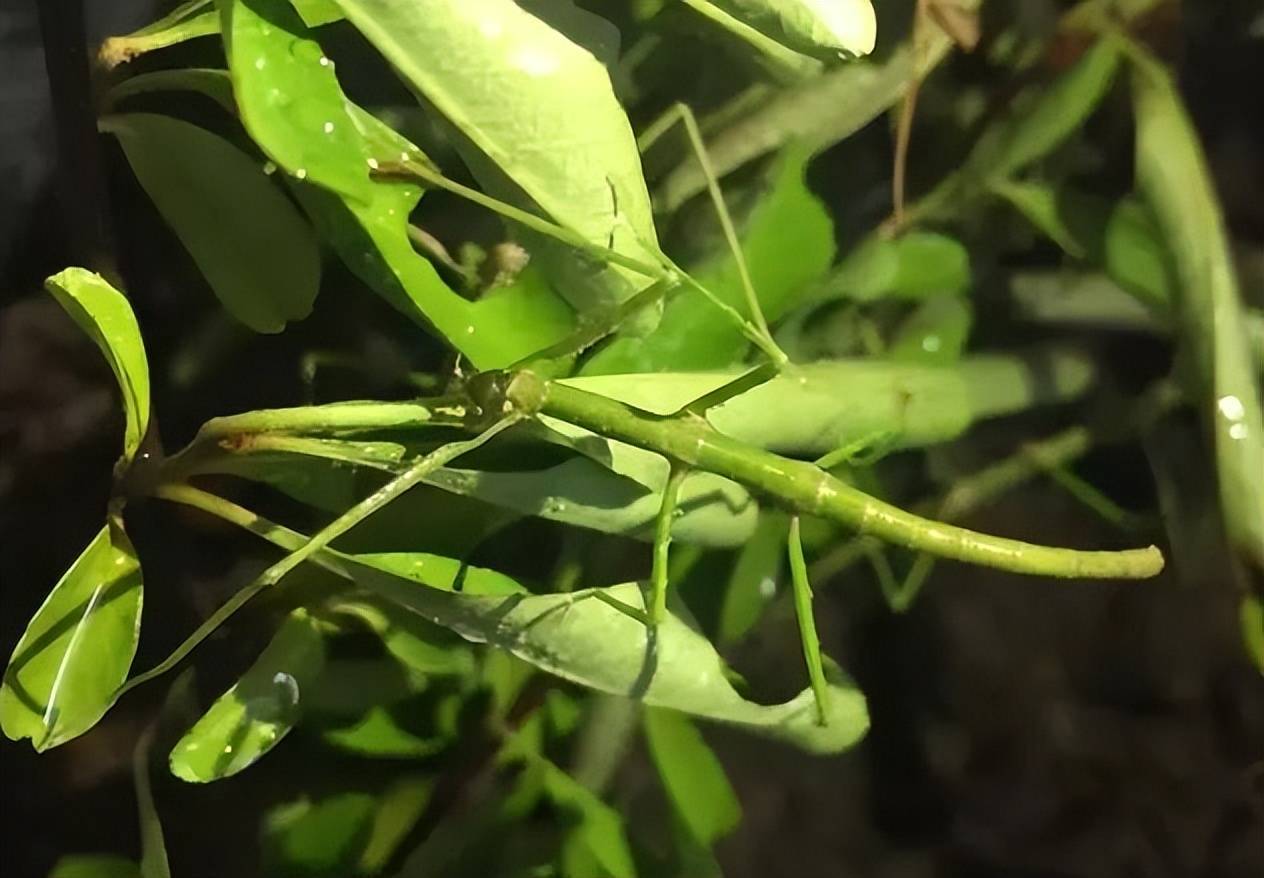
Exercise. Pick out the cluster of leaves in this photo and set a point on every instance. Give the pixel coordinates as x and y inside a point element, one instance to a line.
<point>649,429</point>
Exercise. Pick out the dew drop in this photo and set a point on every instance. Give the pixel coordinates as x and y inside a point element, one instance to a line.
<point>329,128</point>
<point>261,63</point>
<point>469,330</point>
<point>767,587</point>
<point>931,344</point>
<point>324,62</point>
<point>1232,408</point>
<point>372,163</point>
<point>269,168</point>
<point>228,748</point>
<point>404,156</point>
<point>301,173</point>
<point>1238,432</point>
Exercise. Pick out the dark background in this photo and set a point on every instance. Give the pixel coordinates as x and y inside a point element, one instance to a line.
<point>1020,727</point>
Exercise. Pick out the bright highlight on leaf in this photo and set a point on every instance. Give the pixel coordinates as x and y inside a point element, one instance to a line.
<point>103,313</point>
<point>66,669</point>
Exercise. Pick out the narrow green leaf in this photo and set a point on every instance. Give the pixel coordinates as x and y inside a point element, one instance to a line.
<point>77,649</point>
<point>1173,175</point>
<point>258,711</point>
<point>252,246</point>
<point>787,218</point>
<point>597,841</point>
<point>692,775</point>
<point>753,580</point>
<point>153,845</point>
<point>1251,616</point>
<point>95,866</point>
<point>581,169</point>
<point>1054,115</point>
<point>103,313</point>
<point>834,27</point>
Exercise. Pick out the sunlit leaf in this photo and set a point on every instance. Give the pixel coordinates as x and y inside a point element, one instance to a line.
<point>1173,175</point>
<point>250,243</point>
<point>517,110</point>
<point>692,775</point>
<point>77,649</point>
<point>258,711</point>
<point>103,313</point>
<point>294,108</point>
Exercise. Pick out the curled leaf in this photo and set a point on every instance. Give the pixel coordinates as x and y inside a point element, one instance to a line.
<point>103,313</point>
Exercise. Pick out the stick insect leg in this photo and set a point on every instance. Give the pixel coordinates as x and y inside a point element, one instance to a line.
<point>662,541</point>
<point>807,621</point>
<point>680,113</point>
<point>865,451</point>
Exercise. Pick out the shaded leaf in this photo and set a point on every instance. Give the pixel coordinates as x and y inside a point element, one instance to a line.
<point>258,711</point>
<point>692,775</point>
<point>250,243</point>
<point>581,169</point>
<point>753,580</point>
<point>94,866</point>
<point>187,21</point>
<point>104,314</point>
<point>914,266</point>
<point>76,650</point>
<point>787,218</point>
<point>597,844</point>
<point>935,333</point>
<point>212,82</point>
<point>1173,175</point>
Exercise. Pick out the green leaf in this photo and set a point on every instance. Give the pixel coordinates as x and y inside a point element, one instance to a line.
<point>212,82</point>
<point>258,711</point>
<point>317,12</point>
<point>103,313</point>
<point>1251,616</point>
<point>1051,118</point>
<point>756,567</point>
<point>250,243</point>
<point>513,97</point>
<point>1173,175</point>
<point>582,638</point>
<point>294,108</point>
<point>77,649</point>
<point>838,27</point>
<point>597,844</point>
<point>818,112</point>
<point>378,734</point>
<point>349,833</point>
<point>781,61</point>
<point>787,219</point>
<point>935,333</point>
<point>912,267</point>
<point>692,775</point>
<point>95,866</point>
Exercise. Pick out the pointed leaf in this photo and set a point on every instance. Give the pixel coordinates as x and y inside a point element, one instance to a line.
<point>103,313</point>
<point>692,775</point>
<point>841,27</point>
<point>258,711</point>
<point>293,106</point>
<point>510,84</point>
<point>77,649</point>
<point>95,866</point>
<point>252,246</point>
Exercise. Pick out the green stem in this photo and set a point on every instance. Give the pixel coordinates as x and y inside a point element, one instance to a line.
<point>807,621</point>
<point>806,489</point>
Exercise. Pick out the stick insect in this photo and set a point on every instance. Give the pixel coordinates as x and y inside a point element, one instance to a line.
<point>489,403</point>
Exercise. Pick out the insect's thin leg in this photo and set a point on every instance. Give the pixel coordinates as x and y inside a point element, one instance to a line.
<point>662,541</point>
<point>682,114</point>
<point>807,621</point>
<point>424,173</point>
<point>389,492</point>
<point>748,380</point>
<point>865,451</point>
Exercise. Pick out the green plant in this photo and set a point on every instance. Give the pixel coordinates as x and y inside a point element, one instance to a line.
<point>602,387</point>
